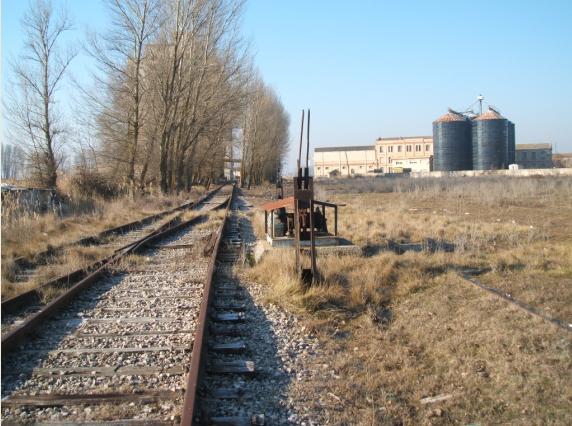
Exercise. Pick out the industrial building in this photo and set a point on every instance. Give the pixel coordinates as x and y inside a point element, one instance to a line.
<point>387,155</point>
<point>413,153</point>
<point>344,161</point>
<point>534,155</point>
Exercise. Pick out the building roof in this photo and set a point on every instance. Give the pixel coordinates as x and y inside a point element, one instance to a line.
<point>491,114</point>
<point>404,138</point>
<point>451,116</point>
<point>345,148</point>
<point>522,146</point>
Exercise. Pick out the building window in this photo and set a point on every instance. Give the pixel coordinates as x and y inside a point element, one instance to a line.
<point>353,171</point>
<point>382,170</point>
<point>533,155</point>
<point>398,163</point>
<point>408,148</point>
<point>524,155</point>
<point>380,149</point>
<point>398,148</point>
<point>427,147</point>
<point>318,168</point>
<point>327,168</point>
<point>343,167</point>
<point>389,149</point>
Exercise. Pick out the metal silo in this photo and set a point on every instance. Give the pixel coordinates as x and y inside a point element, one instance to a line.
<point>452,148</point>
<point>511,144</point>
<point>490,141</point>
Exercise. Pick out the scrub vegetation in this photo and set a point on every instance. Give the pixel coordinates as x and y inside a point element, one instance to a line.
<point>397,329</point>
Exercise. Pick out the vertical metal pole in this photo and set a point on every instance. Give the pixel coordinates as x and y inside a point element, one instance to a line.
<point>265,222</point>
<point>313,243</point>
<point>308,140</point>
<point>336,221</point>
<point>300,150</point>
<point>297,231</point>
<point>272,223</point>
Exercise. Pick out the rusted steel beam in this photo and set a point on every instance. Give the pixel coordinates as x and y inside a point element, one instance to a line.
<point>198,358</point>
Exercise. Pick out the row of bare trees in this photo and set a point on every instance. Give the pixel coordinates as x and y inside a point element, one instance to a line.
<point>173,83</point>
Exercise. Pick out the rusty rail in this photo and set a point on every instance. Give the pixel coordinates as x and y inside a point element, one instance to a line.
<point>198,359</point>
<point>19,334</point>
<point>40,257</point>
<point>9,306</point>
<point>531,310</point>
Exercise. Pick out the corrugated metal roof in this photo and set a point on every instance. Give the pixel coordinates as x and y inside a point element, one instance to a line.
<point>524,146</point>
<point>277,204</point>
<point>404,138</point>
<point>346,148</point>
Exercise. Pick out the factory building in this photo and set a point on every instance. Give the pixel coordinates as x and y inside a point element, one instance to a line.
<point>344,161</point>
<point>534,155</point>
<point>413,153</point>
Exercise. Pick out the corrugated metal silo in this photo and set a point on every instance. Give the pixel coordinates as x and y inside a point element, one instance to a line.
<point>490,141</point>
<point>452,142</point>
<point>511,144</point>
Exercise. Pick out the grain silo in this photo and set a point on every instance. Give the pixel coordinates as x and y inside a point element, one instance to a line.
<point>511,144</point>
<point>452,148</point>
<point>490,141</point>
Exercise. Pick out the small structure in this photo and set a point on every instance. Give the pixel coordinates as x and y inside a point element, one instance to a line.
<point>280,227</point>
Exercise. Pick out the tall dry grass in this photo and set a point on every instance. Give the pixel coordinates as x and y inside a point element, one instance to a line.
<point>395,329</point>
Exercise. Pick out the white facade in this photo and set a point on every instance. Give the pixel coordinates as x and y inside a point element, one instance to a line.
<point>344,161</point>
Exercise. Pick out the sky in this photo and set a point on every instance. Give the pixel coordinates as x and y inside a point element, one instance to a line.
<point>370,69</point>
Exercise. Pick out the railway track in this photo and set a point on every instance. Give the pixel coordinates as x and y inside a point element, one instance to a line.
<point>24,304</point>
<point>118,348</point>
<point>114,238</point>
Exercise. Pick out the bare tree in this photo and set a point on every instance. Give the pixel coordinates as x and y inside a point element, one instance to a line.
<point>39,73</point>
<point>120,53</point>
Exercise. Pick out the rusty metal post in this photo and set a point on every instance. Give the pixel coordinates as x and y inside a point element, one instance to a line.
<point>313,244</point>
<point>297,231</point>
<point>336,221</point>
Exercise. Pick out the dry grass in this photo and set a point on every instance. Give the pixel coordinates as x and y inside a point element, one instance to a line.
<point>26,234</point>
<point>397,328</point>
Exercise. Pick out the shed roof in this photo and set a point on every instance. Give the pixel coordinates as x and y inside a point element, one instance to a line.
<point>523,146</point>
<point>345,148</point>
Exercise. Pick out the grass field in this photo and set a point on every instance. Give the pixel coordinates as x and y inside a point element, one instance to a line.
<point>397,329</point>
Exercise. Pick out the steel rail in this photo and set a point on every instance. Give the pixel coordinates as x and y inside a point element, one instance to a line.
<point>9,306</point>
<point>95,239</point>
<point>198,358</point>
<point>529,309</point>
<point>20,333</point>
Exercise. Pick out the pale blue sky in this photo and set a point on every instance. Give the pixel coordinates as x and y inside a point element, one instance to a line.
<point>389,68</point>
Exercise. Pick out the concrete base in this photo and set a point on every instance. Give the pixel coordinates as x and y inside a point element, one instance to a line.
<point>325,245</point>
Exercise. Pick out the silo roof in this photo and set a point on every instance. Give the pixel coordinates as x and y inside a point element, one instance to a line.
<point>491,114</point>
<point>450,116</point>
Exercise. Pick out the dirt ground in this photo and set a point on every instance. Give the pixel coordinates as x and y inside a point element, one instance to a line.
<point>406,339</point>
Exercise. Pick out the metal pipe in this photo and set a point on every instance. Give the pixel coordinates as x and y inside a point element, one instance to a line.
<point>301,140</point>
<point>308,140</point>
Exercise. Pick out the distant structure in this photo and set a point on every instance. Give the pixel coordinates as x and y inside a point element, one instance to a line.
<point>452,139</point>
<point>344,161</point>
<point>534,155</point>
<point>387,155</point>
<point>401,154</point>
<point>469,141</point>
